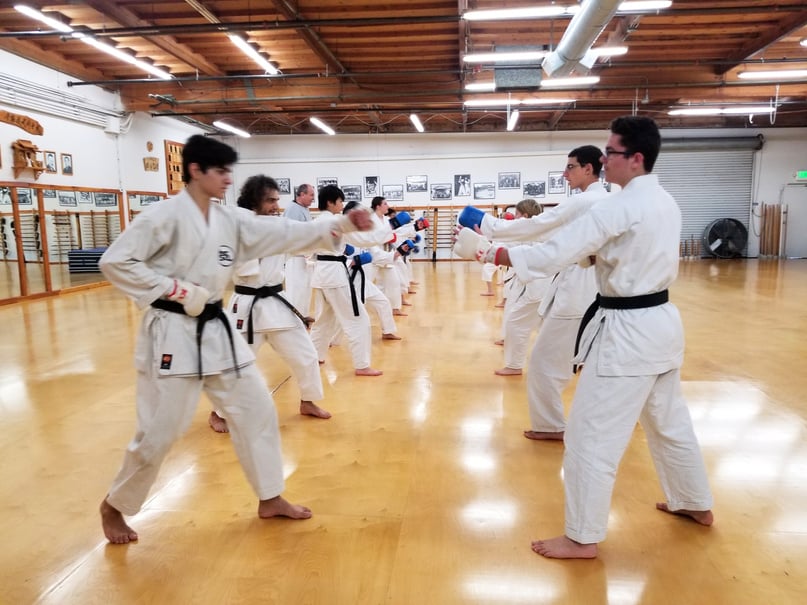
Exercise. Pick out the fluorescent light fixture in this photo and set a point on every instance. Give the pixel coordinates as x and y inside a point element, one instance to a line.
<point>503,57</point>
<point>536,12</point>
<point>575,81</point>
<point>253,54</point>
<point>107,48</point>
<point>416,122</point>
<point>499,102</point>
<point>736,110</point>
<point>323,126</point>
<point>771,74</point>
<point>803,42</point>
<point>609,51</point>
<point>233,129</point>
<point>512,120</point>
<point>481,87</point>
<point>35,14</point>
<point>644,5</point>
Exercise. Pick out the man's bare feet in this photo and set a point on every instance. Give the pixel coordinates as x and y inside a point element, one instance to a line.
<point>368,372</point>
<point>544,435</point>
<point>279,507</point>
<point>411,291</point>
<point>487,294</point>
<point>390,336</point>
<point>500,305</point>
<point>115,528</point>
<point>321,362</point>
<point>399,313</point>
<point>217,423</point>
<point>309,408</point>
<point>564,548</point>
<point>508,372</point>
<point>704,517</point>
<point>406,303</point>
<point>499,342</point>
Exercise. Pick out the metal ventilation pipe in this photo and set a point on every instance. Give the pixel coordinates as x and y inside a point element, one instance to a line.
<point>583,30</point>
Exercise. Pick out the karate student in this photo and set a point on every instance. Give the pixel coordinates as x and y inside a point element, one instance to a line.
<point>383,260</point>
<point>298,267</point>
<point>175,260</point>
<point>632,347</point>
<point>336,299</point>
<point>262,313</point>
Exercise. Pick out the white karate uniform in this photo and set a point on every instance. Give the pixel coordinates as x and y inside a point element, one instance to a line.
<point>171,241</point>
<point>298,267</point>
<point>331,285</point>
<point>568,296</point>
<point>632,356</point>
<point>274,323</point>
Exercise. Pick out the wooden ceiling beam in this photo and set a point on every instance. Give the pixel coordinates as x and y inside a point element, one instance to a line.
<point>757,45</point>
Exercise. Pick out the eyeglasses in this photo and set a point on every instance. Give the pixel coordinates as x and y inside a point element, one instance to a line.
<point>572,166</point>
<point>610,152</point>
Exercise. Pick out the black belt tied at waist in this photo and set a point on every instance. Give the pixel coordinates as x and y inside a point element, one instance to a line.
<point>353,298</point>
<point>642,301</point>
<point>266,292</point>
<point>211,311</point>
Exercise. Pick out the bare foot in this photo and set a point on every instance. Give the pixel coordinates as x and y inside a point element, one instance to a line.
<point>217,423</point>
<point>507,372</point>
<point>414,283</point>
<point>278,507</point>
<point>406,303</point>
<point>544,435</point>
<point>486,294</point>
<point>500,305</point>
<point>499,342</point>
<point>411,291</point>
<point>115,528</point>
<point>390,336</point>
<point>564,548</point>
<point>399,313</point>
<point>309,408</point>
<point>321,362</point>
<point>704,517</point>
<point>368,372</point>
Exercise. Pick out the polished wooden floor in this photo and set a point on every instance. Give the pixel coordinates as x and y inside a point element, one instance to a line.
<point>423,489</point>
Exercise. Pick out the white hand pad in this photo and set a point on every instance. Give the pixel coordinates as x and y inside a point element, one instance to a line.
<point>470,245</point>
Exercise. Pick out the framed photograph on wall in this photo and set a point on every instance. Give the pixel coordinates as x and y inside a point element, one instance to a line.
<point>462,185</point>
<point>484,191</point>
<point>323,181</point>
<point>417,183</point>
<point>67,198</point>
<point>371,188</point>
<point>106,199</point>
<point>284,186</point>
<point>5,196</point>
<point>84,197</point>
<point>557,183</point>
<point>509,180</point>
<point>534,189</point>
<point>441,191</point>
<point>49,193</point>
<point>352,193</point>
<point>25,196</point>
<point>67,164</point>
<point>393,193</point>
<point>50,161</point>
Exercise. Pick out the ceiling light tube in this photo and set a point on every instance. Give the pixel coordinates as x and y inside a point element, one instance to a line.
<point>499,102</point>
<point>771,74</point>
<point>481,87</point>
<point>737,110</point>
<point>644,5</point>
<point>35,14</point>
<point>562,82</point>
<point>609,51</point>
<point>695,111</point>
<point>323,126</point>
<point>253,54</point>
<point>546,101</point>
<point>233,129</point>
<point>122,56</point>
<point>537,12</point>
<point>803,42</point>
<point>494,57</point>
<point>416,122</point>
<point>512,120</point>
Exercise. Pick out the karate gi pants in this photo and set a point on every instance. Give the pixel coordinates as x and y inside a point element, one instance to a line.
<point>165,408</point>
<point>375,301</point>
<point>549,371</point>
<point>601,422</point>
<point>335,310</point>
<point>519,324</point>
<point>297,288</point>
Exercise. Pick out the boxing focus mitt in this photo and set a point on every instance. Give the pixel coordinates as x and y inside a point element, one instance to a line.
<point>192,297</point>
<point>421,224</point>
<point>470,244</point>
<point>400,219</point>
<point>470,217</point>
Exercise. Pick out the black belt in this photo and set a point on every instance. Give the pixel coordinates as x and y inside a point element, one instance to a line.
<point>211,311</point>
<point>618,302</point>
<point>266,292</point>
<point>353,298</point>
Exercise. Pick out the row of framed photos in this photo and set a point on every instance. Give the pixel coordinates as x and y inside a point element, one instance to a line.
<point>25,197</point>
<point>461,187</point>
<point>65,162</point>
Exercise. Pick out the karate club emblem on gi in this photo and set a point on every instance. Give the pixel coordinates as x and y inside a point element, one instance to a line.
<point>226,256</point>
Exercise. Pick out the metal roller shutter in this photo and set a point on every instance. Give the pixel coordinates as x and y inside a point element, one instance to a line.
<point>707,185</point>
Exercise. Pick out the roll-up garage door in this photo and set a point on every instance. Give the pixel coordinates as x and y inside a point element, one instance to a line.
<point>707,185</point>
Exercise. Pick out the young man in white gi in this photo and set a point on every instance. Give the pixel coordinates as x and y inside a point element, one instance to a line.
<point>337,302</point>
<point>298,267</point>
<point>383,260</point>
<point>263,314</point>
<point>632,348</point>
<point>175,260</point>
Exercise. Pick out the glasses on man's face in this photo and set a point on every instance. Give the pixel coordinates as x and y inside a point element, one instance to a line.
<point>572,166</point>
<point>610,152</point>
